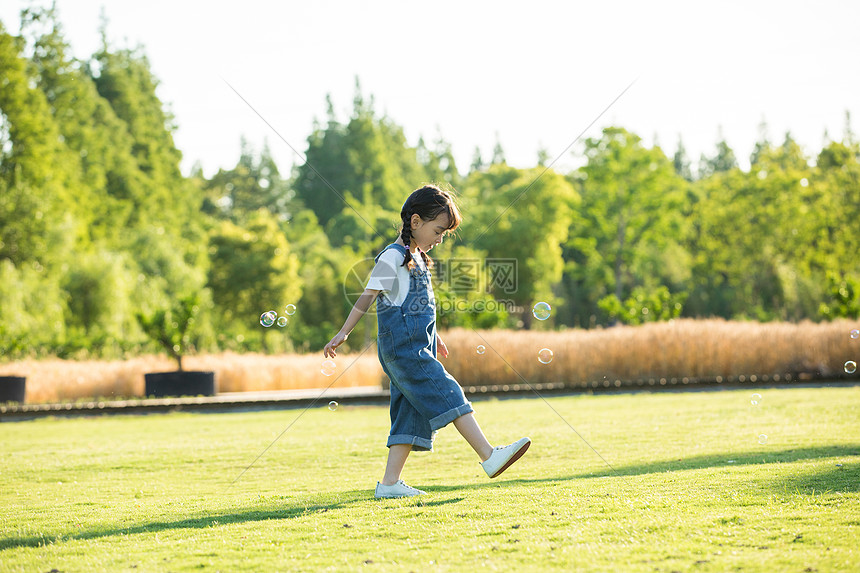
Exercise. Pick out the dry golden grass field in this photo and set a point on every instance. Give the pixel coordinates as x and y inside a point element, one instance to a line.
<point>692,349</point>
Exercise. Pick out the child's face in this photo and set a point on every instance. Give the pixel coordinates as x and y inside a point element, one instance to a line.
<point>428,234</point>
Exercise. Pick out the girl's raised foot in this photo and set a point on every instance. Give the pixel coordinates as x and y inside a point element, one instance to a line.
<point>503,456</point>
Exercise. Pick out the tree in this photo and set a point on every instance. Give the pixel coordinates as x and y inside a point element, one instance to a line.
<point>843,298</point>
<point>848,132</point>
<point>162,197</point>
<point>681,162</point>
<point>723,160</point>
<point>99,143</point>
<point>365,162</point>
<point>461,281</point>
<point>99,288</point>
<point>38,176</point>
<point>477,161</point>
<point>521,216</point>
<point>164,206</point>
<point>29,296</point>
<point>754,245</point>
<point>498,153</point>
<point>439,164</point>
<point>834,199</point>
<point>253,270</point>
<point>254,183</point>
<point>326,275</point>
<point>87,192</point>
<point>762,143</point>
<point>171,327</point>
<point>630,224</point>
<point>543,156</point>
<point>643,306</point>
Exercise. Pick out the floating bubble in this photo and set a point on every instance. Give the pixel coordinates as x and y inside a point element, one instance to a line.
<point>480,349</point>
<point>332,405</point>
<point>854,334</point>
<point>328,367</point>
<point>542,310</point>
<point>762,439</point>
<point>267,319</point>
<point>755,399</point>
<point>290,309</point>
<point>850,367</point>
<point>545,356</point>
<point>282,321</point>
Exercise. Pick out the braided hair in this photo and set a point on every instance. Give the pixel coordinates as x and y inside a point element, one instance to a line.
<point>427,202</point>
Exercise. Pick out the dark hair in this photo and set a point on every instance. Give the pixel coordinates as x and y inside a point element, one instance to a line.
<point>428,202</point>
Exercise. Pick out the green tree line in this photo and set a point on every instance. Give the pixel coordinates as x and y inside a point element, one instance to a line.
<point>99,228</point>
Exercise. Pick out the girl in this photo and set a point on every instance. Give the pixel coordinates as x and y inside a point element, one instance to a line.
<point>424,396</point>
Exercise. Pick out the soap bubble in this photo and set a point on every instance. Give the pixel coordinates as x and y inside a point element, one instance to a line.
<point>542,310</point>
<point>332,405</point>
<point>545,356</point>
<point>850,367</point>
<point>328,367</point>
<point>762,439</point>
<point>755,399</point>
<point>282,321</point>
<point>480,349</point>
<point>854,334</point>
<point>267,319</point>
<point>290,309</point>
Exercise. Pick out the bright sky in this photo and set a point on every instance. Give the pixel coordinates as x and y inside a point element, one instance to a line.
<point>534,74</point>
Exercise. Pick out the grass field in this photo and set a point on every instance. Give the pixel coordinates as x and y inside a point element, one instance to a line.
<point>692,489</point>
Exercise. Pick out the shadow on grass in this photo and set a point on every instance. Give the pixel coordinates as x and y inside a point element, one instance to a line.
<point>763,456</point>
<point>830,479</point>
<point>300,509</point>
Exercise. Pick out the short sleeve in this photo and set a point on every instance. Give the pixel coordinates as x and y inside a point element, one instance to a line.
<point>384,274</point>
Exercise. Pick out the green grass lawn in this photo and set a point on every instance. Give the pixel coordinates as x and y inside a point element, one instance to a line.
<point>692,489</point>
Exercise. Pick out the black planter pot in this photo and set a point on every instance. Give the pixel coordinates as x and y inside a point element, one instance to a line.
<point>12,388</point>
<point>161,384</point>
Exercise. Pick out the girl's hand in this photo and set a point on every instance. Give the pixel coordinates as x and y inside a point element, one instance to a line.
<point>440,346</point>
<point>338,339</point>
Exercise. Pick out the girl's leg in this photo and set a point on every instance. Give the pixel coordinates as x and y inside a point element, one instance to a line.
<point>468,427</point>
<point>397,454</point>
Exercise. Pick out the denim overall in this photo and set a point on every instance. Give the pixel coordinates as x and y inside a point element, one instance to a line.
<point>424,396</point>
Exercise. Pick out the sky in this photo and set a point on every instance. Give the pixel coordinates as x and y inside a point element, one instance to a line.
<point>530,75</point>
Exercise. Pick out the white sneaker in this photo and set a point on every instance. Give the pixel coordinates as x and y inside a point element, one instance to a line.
<point>502,457</point>
<point>399,489</point>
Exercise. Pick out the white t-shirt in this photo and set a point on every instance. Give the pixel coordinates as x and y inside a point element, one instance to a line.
<point>391,277</point>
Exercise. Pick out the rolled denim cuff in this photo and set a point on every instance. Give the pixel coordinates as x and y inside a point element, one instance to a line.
<point>446,418</point>
<point>418,444</point>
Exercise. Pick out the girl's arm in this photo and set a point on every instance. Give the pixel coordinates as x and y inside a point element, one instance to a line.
<point>441,348</point>
<point>358,310</point>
